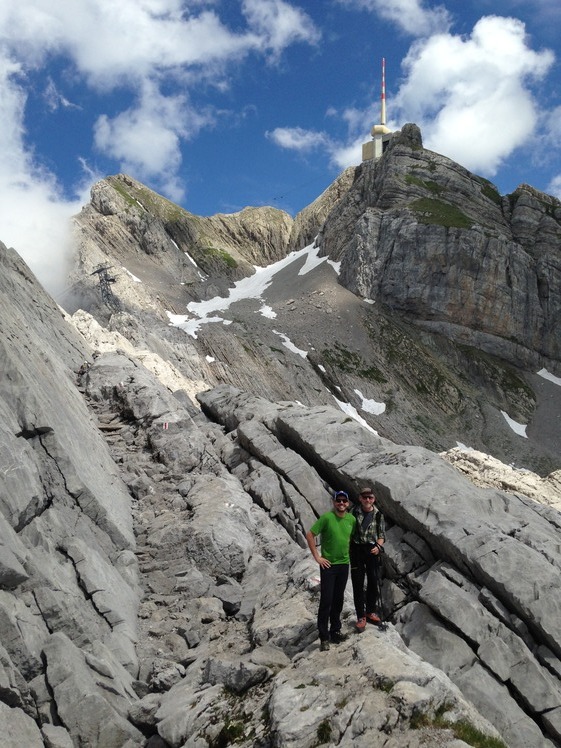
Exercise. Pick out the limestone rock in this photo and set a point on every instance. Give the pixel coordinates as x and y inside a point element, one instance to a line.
<point>494,546</point>
<point>484,470</point>
<point>238,675</point>
<point>78,690</point>
<point>454,233</point>
<point>18,729</point>
<point>309,221</point>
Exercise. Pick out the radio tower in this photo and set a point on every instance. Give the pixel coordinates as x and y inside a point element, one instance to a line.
<point>381,134</point>
<point>107,295</point>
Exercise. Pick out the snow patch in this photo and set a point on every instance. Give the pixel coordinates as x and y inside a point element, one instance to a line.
<point>551,377</point>
<point>371,406</point>
<point>518,428</point>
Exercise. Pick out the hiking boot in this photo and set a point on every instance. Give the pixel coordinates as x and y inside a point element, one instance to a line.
<point>324,646</point>
<point>337,637</point>
<point>360,624</point>
<point>373,618</point>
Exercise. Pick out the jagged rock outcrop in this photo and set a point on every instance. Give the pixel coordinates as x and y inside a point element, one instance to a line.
<point>237,591</point>
<point>484,470</point>
<point>151,237</point>
<point>424,236</point>
<point>200,628</point>
<point>185,256</point>
<point>69,592</point>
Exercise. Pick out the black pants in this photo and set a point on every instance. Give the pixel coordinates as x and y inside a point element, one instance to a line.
<point>364,564</point>
<point>332,594</point>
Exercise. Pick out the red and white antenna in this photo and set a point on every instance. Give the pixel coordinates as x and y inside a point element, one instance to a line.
<point>383,116</point>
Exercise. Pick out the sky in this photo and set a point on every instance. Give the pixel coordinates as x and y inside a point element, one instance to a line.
<point>220,104</point>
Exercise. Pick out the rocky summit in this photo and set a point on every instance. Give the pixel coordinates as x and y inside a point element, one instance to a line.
<point>174,425</point>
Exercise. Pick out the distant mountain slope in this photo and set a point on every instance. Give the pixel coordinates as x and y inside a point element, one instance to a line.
<point>431,330</point>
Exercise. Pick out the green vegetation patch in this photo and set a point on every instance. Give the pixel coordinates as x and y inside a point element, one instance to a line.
<point>492,194</point>
<point>119,188</point>
<point>439,213</point>
<point>426,184</point>
<point>151,202</point>
<point>324,732</point>
<point>220,254</point>
<point>232,732</point>
<point>340,358</point>
<point>384,684</point>
<point>462,729</point>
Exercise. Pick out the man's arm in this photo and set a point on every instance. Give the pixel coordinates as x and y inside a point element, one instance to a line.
<point>323,562</point>
<point>381,530</point>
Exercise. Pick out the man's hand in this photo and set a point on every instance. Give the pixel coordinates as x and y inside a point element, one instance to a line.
<point>323,562</point>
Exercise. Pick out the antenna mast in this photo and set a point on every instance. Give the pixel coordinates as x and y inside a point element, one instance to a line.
<point>383,116</point>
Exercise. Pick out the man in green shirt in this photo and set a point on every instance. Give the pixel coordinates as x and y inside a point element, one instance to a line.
<point>335,529</point>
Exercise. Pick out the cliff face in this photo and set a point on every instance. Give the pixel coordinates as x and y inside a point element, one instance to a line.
<point>427,238</point>
<point>68,586</point>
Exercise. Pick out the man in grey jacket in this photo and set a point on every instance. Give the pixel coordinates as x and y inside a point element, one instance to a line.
<point>366,547</point>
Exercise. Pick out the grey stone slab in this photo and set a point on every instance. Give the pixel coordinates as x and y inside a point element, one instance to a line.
<point>18,730</point>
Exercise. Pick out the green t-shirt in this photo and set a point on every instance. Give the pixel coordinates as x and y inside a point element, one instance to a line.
<point>335,536</point>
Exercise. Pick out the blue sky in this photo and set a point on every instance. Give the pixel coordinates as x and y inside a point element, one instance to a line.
<point>219,104</point>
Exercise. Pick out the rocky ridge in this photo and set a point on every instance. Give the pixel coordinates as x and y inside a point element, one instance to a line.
<point>155,588</point>
<point>134,226</point>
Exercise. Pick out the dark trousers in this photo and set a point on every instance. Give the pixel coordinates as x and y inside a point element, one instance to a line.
<point>364,565</point>
<point>332,594</point>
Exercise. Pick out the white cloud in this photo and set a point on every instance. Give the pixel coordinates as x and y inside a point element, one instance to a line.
<point>411,16</point>
<point>345,155</point>
<point>304,141</point>
<point>55,99</point>
<point>115,42</point>
<point>34,217</point>
<point>158,120</point>
<point>152,50</point>
<point>298,139</point>
<point>278,24</point>
<point>471,96</point>
<point>554,187</point>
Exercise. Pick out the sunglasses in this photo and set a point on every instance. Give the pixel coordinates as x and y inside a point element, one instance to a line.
<point>341,497</point>
<point>368,496</point>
